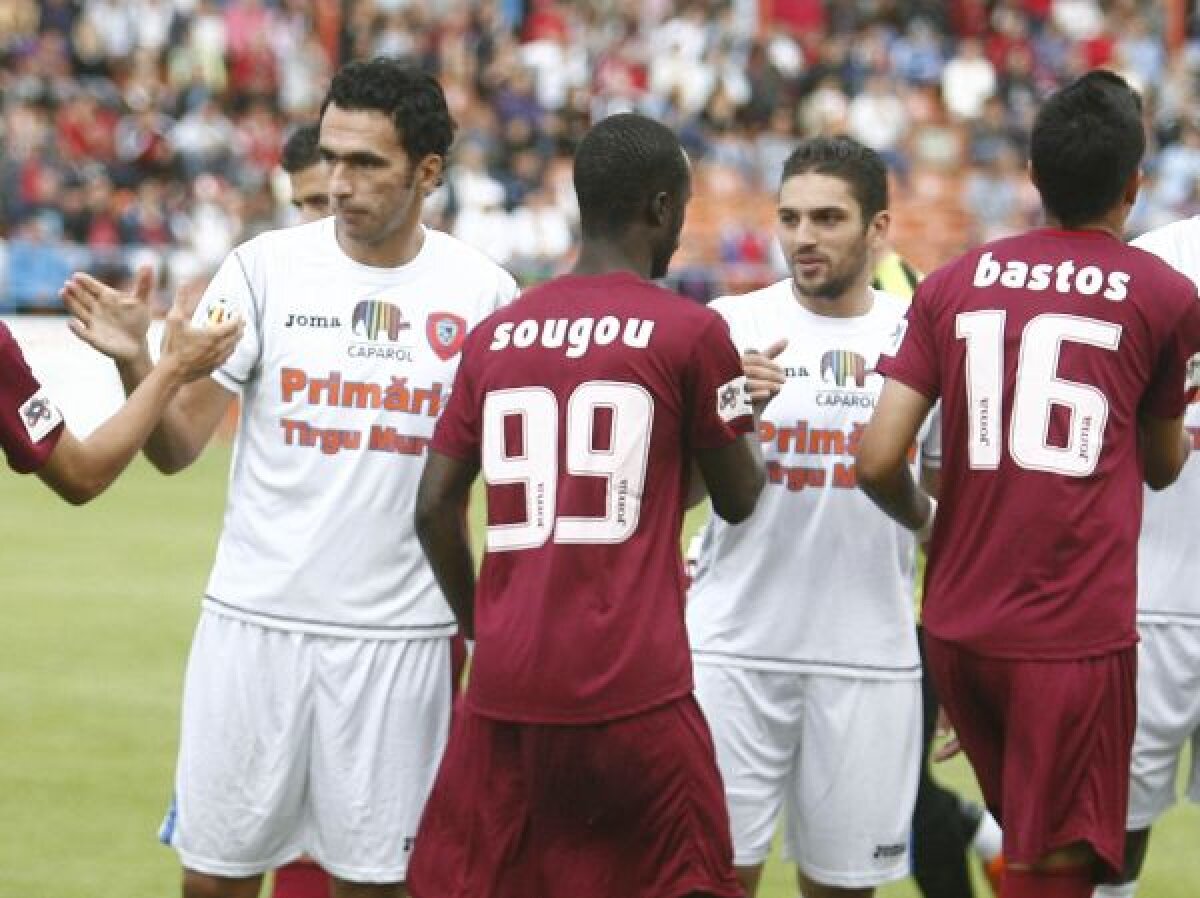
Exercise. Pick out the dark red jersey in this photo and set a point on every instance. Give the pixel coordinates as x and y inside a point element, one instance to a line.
<point>584,402</point>
<point>30,424</point>
<point>1044,349</point>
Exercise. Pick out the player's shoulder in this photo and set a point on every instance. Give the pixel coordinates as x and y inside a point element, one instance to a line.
<point>464,259</point>
<point>1177,244</point>
<point>753,305</point>
<point>887,305</point>
<point>11,357</point>
<point>316,232</point>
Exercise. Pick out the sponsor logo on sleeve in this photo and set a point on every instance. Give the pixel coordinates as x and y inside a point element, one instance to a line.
<point>221,309</point>
<point>445,333</point>
<point>733,400</point>
<point>40,416</point>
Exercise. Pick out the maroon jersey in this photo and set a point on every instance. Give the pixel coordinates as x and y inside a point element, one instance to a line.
<point>30,424</point>
<point>1044,348</point>
<point>583,403</point>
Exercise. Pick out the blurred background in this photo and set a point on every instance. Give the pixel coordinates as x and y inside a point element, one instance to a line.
<point>140,130</point>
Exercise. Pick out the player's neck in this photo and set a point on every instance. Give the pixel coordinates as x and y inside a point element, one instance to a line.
<point>1112,224</point>
<point>853,302</point>
<point>396,249</point>
<point>605,257</point>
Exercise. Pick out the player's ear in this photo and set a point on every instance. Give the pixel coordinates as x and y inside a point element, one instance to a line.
<point>877,231</point>
<point>1132,186</point>
<point>659,210</point>
<point>428,172</point>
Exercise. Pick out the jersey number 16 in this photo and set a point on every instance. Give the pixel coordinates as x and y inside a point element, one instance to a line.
<point>1037,389</point>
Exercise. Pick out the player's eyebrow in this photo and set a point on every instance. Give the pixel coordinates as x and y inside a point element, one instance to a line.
<point>353,157</point>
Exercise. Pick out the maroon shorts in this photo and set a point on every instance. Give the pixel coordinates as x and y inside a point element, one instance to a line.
<point>629,808</point>
<point>1050,743</point>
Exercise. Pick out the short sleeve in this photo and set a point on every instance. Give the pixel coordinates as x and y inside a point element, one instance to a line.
<point>458,432</point>
<point>30,423</point>
<point>727,308</point>
<point>911,358</point>
<point>719,403</point>
<point>1166,395</point>
<point>507,290</point>
<point>230,293</point>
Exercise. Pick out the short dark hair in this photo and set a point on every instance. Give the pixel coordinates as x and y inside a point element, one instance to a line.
<point>845,158</point>
<point>301,150</point>
<point>1087,142</point>
<point>622,162</point>
<point>411,98</point>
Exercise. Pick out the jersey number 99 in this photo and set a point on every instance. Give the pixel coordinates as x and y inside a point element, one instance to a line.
<point>521,446</point>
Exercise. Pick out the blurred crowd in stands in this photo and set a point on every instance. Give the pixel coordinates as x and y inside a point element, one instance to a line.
<point>137,129</point>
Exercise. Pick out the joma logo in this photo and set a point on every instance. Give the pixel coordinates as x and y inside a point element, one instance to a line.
<point>294,320</point>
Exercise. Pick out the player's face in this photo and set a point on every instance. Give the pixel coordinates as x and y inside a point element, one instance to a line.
<point>827,244</point>
<point>310,191</point>
<point>376,190</point>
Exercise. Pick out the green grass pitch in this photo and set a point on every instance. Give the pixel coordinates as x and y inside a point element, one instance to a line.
<point>98,607</point>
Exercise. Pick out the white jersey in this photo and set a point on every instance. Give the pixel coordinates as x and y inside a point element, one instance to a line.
<point>1168,563</point>
<point>817,579</point>
<point>342,371</point>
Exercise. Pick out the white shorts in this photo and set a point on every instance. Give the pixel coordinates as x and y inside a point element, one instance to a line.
<point>296,743</point>
<point>842,753</point>
<point>1168,691</point>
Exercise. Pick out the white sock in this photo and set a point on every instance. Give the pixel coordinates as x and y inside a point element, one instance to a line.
<point>988,840</point>
<point>1127,890</point>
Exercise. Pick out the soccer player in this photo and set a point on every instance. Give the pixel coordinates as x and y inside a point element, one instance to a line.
<point>945,825</point>
<point>801,617</point>
<point>317,696</point>
<point>579,764</point>
<point>1168,703</point>
<point>308,178</point>
<point>1059,357</point>
<point>308,175</point>
<point>35,438</point>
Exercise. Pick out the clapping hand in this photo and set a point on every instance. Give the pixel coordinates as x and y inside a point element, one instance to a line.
<point>193,351</point>
<point>109,321</point>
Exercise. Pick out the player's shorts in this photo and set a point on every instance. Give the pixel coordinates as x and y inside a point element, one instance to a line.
<point>1168,718</point>
<point>1050,743</point>
<point>632,807</point>
<point>297,743</point>
<point>840,755</point>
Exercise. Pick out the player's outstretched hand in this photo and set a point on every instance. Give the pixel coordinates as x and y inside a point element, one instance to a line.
<point>193,351</point>
<point>112,322</point>
<point>764,376</point>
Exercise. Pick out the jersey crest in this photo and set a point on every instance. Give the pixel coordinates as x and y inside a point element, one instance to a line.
<point>446,333</point>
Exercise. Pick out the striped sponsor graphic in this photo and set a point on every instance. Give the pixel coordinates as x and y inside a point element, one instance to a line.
<point>842,367</point>
<point>373,318</point>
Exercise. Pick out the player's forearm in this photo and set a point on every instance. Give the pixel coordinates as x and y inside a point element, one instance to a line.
<point>443,535</point>
<point>895,491</point>
<point>89,467</point>
<point>1166,445</point>
<point>171,445</point>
